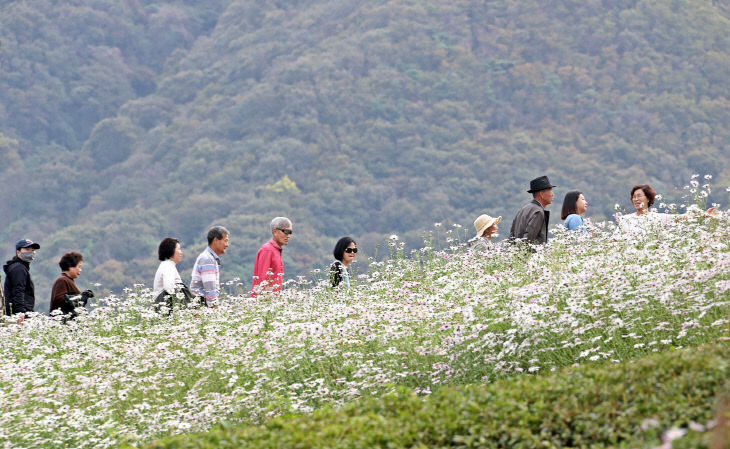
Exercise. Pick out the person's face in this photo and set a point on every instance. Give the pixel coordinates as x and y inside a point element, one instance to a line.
<point>219,245</point>
<point>546,196</point>
<point>281,237</point>
<point>177,256</point>
<point>24,250</point>
<point>581,205</point>
<point>489,232</point>
<point>75,272</point>
<point>349,254</point>
<point>640,201</point>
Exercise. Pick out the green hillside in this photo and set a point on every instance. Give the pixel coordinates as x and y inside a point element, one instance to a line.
<point>125,122</point>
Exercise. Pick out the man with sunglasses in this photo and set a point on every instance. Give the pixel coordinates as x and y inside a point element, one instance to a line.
<point>268,270</point>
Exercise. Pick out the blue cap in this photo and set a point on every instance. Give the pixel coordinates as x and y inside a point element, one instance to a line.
<point>25,243</point>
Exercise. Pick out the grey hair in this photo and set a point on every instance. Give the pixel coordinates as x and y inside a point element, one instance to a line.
<point>280,222</point>
<point>217,232</point>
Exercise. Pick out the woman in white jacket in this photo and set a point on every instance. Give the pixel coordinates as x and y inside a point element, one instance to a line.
<point>642,197</point>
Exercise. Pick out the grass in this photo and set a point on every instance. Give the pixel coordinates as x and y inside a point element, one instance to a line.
<point>427,321</point>
<point>599,406</point>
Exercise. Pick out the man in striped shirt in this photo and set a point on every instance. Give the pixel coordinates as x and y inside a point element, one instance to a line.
<point>206,271</point>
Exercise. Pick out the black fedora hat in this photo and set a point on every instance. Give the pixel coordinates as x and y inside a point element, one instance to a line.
<point>540,183</point>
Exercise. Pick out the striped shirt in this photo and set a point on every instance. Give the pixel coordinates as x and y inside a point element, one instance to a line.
<point>206,276</point>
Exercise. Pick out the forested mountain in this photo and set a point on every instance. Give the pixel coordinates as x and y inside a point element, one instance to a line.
<point>123,122</point>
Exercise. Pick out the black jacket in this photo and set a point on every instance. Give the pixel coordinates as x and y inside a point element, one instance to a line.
<point>19,290</point>
<point>336,273</point>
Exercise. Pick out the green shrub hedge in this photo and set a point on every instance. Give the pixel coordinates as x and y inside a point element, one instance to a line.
<point>585,407</point>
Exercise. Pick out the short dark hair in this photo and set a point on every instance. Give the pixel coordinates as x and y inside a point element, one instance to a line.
<point>569,201</point>
<point>340,247</point>
<point>167,248</point>
<point>216,232</point>
<point>648,191</point>
<point>70,260</point>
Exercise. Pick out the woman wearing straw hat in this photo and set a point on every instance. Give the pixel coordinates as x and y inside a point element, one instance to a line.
<point>486,227</point>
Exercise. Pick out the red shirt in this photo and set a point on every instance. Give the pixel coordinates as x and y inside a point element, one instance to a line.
<point>268,267</point>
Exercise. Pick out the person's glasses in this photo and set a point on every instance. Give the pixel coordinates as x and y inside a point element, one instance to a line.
<point>351,250</point>
<point>285,231</point>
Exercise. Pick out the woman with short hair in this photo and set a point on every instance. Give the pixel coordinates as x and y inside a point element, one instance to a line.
<point>574,206</point>
<point>642,197</point>
<point>71,266</point>
<point>167,277</point>
<point>344,252</point>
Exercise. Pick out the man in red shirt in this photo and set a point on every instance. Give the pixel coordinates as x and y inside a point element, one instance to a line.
<point>268,270</point>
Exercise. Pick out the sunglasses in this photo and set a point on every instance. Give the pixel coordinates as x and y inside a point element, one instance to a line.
<point>285,231</point>
<point>351,250</point>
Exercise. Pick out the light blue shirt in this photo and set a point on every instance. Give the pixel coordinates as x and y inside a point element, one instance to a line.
<point>573,222</point>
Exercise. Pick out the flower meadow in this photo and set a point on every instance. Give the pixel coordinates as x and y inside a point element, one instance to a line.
<point>124,373</point>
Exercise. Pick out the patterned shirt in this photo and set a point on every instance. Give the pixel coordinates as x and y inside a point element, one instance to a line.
<point>206,276</point>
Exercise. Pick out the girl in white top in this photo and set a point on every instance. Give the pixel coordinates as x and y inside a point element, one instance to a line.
<point>167,278</point>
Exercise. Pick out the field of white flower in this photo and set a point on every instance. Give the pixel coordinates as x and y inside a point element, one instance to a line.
<point>124,373</point>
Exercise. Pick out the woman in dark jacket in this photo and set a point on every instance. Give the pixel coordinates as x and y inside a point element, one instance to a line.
<point>345,251</point>
<point>71,266</point>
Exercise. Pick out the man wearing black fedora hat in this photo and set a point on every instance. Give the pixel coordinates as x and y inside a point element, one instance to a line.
<point>531,222</point>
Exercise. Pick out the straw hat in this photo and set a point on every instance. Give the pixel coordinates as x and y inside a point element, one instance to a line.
<point>484,222</point>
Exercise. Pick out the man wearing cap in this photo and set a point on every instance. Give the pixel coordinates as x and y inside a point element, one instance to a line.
<point>19,290</point>
<point>486,226</point>
<point>531,222</point>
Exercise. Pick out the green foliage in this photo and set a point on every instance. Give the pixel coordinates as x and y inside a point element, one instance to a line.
<point>111,142</point>
<point>597,407</point>
<point>9,153</point>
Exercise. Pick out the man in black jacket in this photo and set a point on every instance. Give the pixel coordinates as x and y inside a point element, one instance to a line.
<point>531,222</point>
<point>19,289</point>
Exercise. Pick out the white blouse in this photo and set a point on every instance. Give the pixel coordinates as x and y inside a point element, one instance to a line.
<point>638,224</point>
<point>166,278</point>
